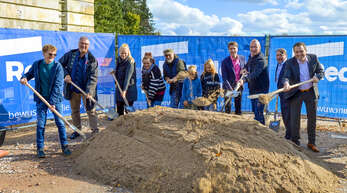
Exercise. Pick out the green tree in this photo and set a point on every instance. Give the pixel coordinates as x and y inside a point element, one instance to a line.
<point>108,16</point>
<point>146,23</point>
<point>123,17</point>
<point>132,23</point>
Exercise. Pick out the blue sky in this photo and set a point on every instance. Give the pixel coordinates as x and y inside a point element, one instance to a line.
<point>249,17</point>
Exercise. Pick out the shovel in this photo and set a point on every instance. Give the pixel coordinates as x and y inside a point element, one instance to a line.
<point>127,107</point>
<point>233,93</point>
<point>56,112</point>
<point>148,101</point>
<point>266,98</point>
<point>109,114</point>
<point>275,124</point>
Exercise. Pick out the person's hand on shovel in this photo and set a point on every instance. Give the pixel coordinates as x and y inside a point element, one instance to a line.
<point>124,93</point>
<point>51,107</point>
<point>23,81</point>
<point>68,79</point>
<point>241,82</point>
<point>89,96</point>
<point>286,86</point>
<point>315,79</point>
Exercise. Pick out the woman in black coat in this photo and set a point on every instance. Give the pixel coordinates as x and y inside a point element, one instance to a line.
<point>126,75</point>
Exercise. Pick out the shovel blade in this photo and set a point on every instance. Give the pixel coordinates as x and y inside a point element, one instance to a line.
<point>274,125</point>
<point>130,109</point>
<point>77,130</point>
<point>111,115</point>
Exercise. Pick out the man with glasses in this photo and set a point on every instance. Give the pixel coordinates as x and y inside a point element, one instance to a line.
<point>172,66</point>
<point>81,68</point>
<point>48,76</point>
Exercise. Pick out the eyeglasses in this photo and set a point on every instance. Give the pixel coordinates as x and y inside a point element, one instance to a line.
<point>50,54</point>
<point>167,55</point>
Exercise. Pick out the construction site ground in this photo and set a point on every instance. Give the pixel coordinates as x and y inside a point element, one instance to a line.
<point>22,171</point>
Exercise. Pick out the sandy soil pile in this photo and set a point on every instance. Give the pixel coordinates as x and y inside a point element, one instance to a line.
<point>170,150</point>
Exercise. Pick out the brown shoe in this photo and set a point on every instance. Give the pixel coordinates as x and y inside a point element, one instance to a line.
<point>313,147</point>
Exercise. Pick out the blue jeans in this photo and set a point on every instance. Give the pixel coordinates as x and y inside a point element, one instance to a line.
<point>41,110</point>
<point>258,110</point>
<point>175,96</point>
<point>154,103</point>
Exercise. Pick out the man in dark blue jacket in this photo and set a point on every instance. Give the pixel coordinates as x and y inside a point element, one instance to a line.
<point>172,66</point>
<point>258,78</point>
<point>48,76</point>
<point>81,67</point>
<point>281,57</point>
<point>231,74</point>
<point>300,68</point>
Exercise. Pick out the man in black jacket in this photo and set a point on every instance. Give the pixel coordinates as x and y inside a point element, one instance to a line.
<point>281,57</point>
<point>81,68</point>
<point>300,68</point>
<point>258,78</point>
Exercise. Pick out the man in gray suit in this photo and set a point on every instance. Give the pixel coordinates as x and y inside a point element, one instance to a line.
<point>300,68</point>
<point>232,67</point>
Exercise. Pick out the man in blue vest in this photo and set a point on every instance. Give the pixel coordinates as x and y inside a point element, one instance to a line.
<point>48,76</point>
<point>81,67</point>
<point>172,66</point>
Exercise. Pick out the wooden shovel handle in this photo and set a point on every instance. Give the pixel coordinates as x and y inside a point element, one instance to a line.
<point>120,90</point>
<point>85,94</point>
<point>53,109</point>
<point>292,86</point>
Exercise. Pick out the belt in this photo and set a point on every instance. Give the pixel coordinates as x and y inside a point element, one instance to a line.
<point>305,90</point>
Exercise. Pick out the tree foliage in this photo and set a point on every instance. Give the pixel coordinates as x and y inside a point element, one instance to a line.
<point>123,17</point>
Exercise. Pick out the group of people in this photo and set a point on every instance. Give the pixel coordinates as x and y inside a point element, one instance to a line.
<point>80,67</point>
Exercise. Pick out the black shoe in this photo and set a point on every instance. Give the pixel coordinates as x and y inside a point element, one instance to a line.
<point>41,153</point>
<point>297,142</point>
<point>95,131</point>
<point>74,135</point>
<point>66,150</point>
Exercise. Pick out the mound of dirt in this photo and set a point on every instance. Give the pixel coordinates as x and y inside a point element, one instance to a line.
<point>172,150</point>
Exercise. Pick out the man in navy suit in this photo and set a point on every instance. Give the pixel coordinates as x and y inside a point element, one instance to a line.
<point>231,74</point>
<point>300,68</point>
<point>281,57</point>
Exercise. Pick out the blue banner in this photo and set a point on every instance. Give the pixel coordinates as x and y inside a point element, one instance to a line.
<point>194,50</point>
<point>20,48</point>
<point>332,53</point>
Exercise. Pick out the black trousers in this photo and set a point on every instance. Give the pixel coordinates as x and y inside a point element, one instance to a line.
<point>237,101</point>
<point>295,112</point>
<point>120,107</point>
<point>285,111</point>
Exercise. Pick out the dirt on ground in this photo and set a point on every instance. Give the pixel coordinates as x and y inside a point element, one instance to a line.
<point>167,150</point>
<point>171,150</point>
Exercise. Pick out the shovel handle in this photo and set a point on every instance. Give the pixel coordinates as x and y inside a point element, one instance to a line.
<point>149,104</point>
<point>292,86</point>
<point>120,90</point>
<point>281,89</point>
<point>53,110</point>
<point>85,94</point>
